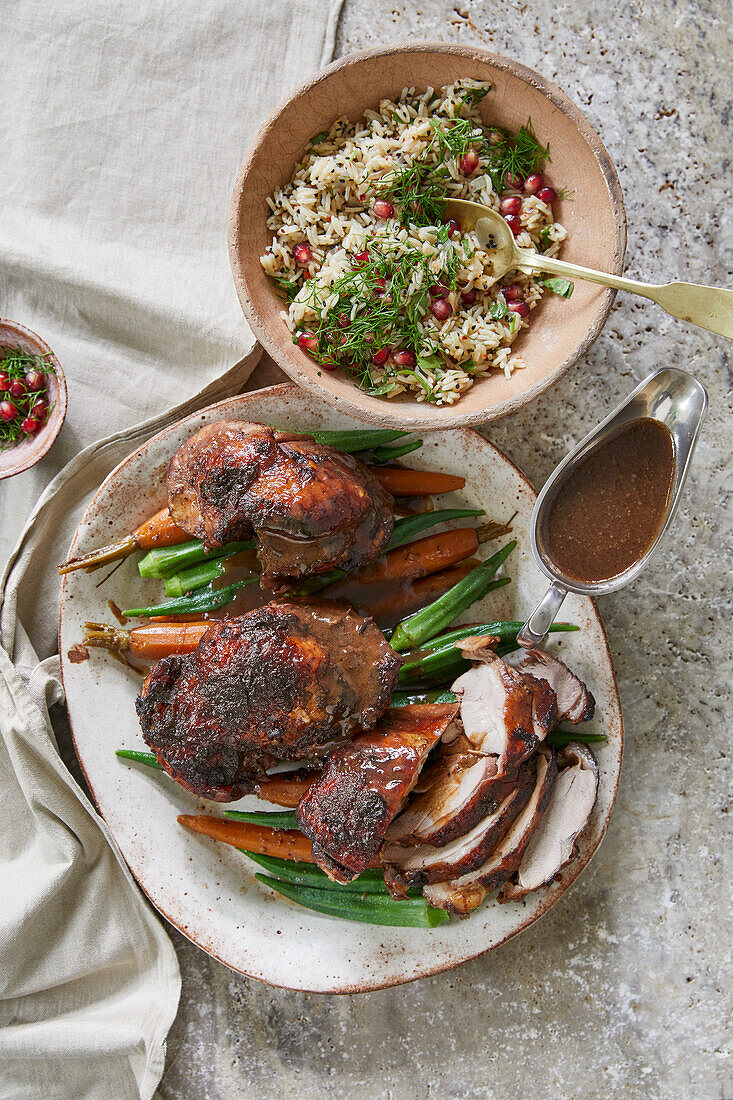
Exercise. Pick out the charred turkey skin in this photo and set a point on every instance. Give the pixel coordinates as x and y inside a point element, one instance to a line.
<point>310,507</point>
<point>284,682</point>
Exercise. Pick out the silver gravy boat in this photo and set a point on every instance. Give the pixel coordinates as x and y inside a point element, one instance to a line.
<point>678,401</point>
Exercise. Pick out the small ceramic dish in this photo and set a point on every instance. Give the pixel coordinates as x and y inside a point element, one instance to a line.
<point>13,460</point>
<point>561,331</point>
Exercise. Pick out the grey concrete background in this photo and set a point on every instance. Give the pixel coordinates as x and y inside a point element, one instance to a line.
<point>624,989</point>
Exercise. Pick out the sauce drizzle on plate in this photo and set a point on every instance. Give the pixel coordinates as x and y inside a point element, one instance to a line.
<point>607,512</point>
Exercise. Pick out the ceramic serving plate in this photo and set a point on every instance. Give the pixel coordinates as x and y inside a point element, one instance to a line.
<point>208,890</point>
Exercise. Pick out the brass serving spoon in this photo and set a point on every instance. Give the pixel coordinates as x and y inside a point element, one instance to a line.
<point>707,306</point>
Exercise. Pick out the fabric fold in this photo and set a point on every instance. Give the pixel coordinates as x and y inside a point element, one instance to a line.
<point>123,129</point>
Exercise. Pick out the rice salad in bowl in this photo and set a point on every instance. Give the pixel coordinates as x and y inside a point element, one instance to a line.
<point>378,283</point>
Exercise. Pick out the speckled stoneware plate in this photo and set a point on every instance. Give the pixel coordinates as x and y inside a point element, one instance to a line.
<point>208,890</point>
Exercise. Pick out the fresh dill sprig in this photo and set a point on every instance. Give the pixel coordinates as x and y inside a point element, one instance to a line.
<point>517,156</point>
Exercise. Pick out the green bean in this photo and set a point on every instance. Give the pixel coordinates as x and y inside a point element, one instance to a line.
<point>206,599</point>
<point>368,908</point>
<point>559,738</point>
<point>166,560</point>
<point>284,819</point>
<point>440,660</point>
<point>307,874</point>
<point>504,628</point>
<point>355,439</point>
<point>147,758</point>
<point>431,620</point>
<point>380,455</point>
<point>409,698</point>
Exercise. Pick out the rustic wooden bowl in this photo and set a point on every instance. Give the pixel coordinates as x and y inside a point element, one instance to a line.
<point>561,330</point>
<point>31,449</point>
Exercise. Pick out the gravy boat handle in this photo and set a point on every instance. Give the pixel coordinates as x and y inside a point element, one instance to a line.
<point>537,626</point>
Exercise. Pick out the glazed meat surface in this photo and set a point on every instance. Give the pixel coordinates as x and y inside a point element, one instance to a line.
<point>364,785</point>
<point>284,682</point>
<point>310,507</point>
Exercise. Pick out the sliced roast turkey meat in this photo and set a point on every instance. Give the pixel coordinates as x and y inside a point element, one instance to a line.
<point>574,702</point>
<point>553,843</point>
<point>415,866</point>
<point>363,786</point>
<point>461,895</point>
<point>456,792</point>
<point>505,712</point>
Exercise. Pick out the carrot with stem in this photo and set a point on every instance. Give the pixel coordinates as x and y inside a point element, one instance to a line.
<point>158,530</point>
<point>148,642</point>
<point>403,482</point>
<point>286,843</point>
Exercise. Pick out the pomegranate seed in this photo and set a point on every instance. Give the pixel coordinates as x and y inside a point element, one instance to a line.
<point>17,388</point>
<point>39,410</point>
<point>510,205</point>
<point>519,307</point>
<point>8,410</point>
<point>383,209</point>
<point>328,364</point>
<point>380,357</point>
<point>381,285</point>
<point>30,425</point>
<point>533,183</point>
<point>468,162</point>
<point>343,320</point>
<point>513,222</point>
<point>368,337</point>
<point>547,195</point>
<point>441,309</point>
<point>361,258</point>
<point>513,293</point>
<point>437,290</point>
<point>302,253</point>
<point>405,358</point>
<point>514,183</point>
<point>4,381</point>
<point>453,227</point>
<point>468,297</point>
<point>34,380</point>
<point>307,342</point>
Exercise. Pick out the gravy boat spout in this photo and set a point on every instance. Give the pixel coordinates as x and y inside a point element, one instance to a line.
<point>675,399</point>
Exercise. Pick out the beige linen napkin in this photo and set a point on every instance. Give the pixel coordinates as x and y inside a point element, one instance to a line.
<point>122,129</point>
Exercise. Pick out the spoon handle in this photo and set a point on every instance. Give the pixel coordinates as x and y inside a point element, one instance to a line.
<point>707,306</point>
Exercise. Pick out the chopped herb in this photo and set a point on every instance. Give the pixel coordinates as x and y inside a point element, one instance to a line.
<point>517,156</point>
<point>318,138</point>
<point>498,310</point>
<point>563,287</point>
<point>545,239</point>
<point>475,95</point>
<point>287,288</point>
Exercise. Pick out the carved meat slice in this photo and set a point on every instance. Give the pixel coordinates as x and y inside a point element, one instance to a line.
<point>456,792</point>
<point>426,864</point>
<point>505,713</point>
<point>464,894</point>
<point>310,507</point>
<point>574,702</point>
<point>552,845</point>
<point>364,785</point>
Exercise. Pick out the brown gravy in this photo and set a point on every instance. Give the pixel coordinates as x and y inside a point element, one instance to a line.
<point>606,514</point>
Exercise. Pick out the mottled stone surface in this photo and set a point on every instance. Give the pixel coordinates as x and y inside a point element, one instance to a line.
<point>623,990</point>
